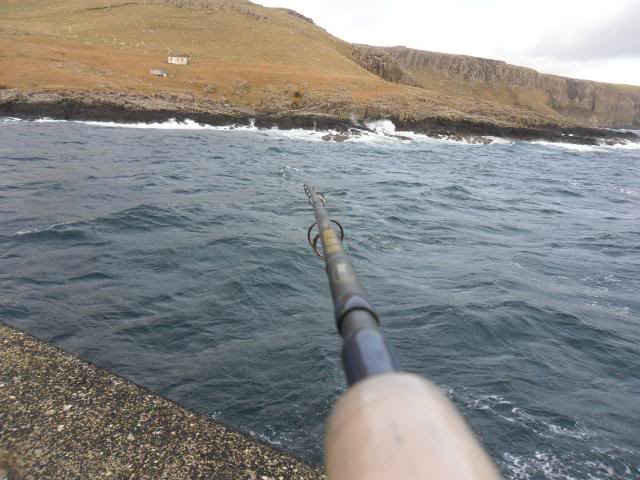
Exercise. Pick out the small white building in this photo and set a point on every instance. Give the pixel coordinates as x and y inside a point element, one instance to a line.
<point>157,72</point>
<point>178,60</point>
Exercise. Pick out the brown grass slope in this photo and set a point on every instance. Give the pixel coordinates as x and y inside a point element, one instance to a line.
<point>247,60</point>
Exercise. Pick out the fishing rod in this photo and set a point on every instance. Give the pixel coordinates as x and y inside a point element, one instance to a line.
<point>366,351</point>
<point>389,425</point>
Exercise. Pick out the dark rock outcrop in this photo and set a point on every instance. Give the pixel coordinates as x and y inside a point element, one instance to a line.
<point>293,13</point>
<point>239,6</point>
<point>322,114</point>
<point>382,63</point>
<point>335,137</point>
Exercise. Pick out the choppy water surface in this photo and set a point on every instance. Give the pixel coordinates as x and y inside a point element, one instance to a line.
<point>508,274</point>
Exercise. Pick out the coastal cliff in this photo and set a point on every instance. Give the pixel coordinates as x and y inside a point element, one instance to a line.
<point>587,102</point>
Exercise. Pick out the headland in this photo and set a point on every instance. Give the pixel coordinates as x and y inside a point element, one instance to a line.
<point>241,62</point>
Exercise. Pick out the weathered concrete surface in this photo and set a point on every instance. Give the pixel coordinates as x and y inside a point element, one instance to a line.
<point>64,418</point>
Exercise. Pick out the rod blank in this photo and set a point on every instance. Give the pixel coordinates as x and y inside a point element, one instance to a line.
<point>366,351</point>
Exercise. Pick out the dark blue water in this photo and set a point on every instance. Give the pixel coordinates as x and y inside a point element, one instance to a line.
<point>509,274</point>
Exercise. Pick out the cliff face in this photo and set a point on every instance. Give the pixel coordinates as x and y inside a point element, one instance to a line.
<point>383,63</point>
<point>584,101</point>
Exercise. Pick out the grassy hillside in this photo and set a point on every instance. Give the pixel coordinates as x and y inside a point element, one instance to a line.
<point>243,55</point>
<point>90,44</point>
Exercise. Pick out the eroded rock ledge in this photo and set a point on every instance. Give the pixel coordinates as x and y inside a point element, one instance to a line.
<point>64,418</point>
<point>129,108</point>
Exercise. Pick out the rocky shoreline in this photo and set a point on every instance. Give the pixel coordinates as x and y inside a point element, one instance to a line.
<point>133,108</point>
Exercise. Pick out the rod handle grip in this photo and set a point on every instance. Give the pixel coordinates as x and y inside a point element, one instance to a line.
<point>398,426</point>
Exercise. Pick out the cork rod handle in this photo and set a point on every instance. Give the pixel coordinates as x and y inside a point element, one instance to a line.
<point>398,426</point>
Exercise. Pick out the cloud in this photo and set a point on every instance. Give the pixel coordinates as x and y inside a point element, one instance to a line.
<point>578,38</point>
<point>618,37</point>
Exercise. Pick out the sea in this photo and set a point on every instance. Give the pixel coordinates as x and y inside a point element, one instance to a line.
<point>175,254</point>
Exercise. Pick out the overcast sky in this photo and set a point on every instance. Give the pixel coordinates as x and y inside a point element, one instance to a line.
<point>596,40</point>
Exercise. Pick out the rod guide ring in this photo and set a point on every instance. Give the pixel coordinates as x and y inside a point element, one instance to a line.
<point>311,242</point>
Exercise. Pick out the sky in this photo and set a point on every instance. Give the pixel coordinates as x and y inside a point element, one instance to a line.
<point>595,40</point>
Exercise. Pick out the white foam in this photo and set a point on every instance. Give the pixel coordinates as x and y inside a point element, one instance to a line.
<point>550,465</point>
<point>41,229</point>
<point>386,130</point>
<point>623,146</point>
<point>51,120</point>
<point>630,192</point>
<point>9,120</point>
<point>298,134</point>
<point>625,130</point>
<point>171,124</point>
<point>500,140</point>
<point>383,132</point>
<point>539,463</point>
<point>19,233</point>
<point>589,148</point>
<point>382,127</point>
<point>45,229</point>
<point>566,146</point>
<point>287,172</point>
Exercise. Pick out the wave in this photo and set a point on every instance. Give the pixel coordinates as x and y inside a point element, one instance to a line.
<point>54,227</point>
<point>55,232</point>
<point>380,131</point>
<point>382,127</point>
<point>387,129</point>
<point>480,231</point>
<point>623,146</point>
<point>551,466</point>
<point>628,191</point>
<point>588,148</point>
<point>140,218</point>
<point>566,146</point>
<point>375,132</point>
<point>171,124</point>
<point>549,429</point>
<point>145,218</point>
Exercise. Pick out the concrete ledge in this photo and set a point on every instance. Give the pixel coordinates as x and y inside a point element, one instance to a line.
<point>64,418</point>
